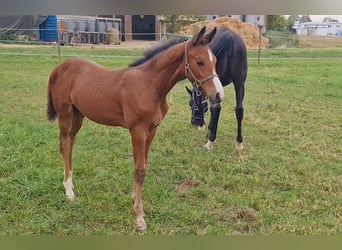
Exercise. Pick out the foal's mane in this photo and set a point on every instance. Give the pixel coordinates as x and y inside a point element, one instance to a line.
<point>150,53</point>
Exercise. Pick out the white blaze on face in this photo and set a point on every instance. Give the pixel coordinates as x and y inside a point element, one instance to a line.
<point>217,82</point>
<point>211,56</point>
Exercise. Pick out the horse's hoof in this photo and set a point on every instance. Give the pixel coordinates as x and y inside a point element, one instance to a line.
<point>239,146</point>
<point>209,145</point>
<point>201,128</point>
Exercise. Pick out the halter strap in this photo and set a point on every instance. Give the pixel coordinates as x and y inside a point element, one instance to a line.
<point>196,82</point>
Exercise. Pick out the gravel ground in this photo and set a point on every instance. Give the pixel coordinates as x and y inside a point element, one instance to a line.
<point>124,45</point>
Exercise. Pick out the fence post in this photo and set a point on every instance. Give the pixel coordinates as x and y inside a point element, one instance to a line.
<point>260,27</point>
<point>59,51</point>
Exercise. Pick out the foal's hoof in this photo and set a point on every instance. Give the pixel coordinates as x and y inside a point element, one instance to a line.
<point>70,197</point>
<point>141,226</point>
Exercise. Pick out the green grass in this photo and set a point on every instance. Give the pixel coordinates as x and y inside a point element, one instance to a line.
<point>287,180</point>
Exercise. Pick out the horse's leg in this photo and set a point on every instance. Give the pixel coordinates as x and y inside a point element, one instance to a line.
<point>69,123</point>
<point>239,95</point>
<point>214,118</point>
<point>139,138</point>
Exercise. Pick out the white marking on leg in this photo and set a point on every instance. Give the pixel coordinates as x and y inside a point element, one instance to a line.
<point>140,224</point>
<point>239,146</point>
<point>68,188</point>
<point>201,128</point>
<point>209,145</point>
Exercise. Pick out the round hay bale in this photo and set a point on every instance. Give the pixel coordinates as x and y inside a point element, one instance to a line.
<point>112,36</point>
<point>249,32</point>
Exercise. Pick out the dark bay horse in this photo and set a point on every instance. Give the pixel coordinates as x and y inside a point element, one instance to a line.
<point>133,98</point>
<point>231,66</point>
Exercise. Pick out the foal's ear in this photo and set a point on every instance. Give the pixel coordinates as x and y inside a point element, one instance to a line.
<point>198,37</point>
<point>208,37</point>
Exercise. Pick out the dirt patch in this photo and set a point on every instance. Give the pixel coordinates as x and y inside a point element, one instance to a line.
<point>135,44</point>
<point>247,214</point>
<point>319,41</point>
<point>186,186</point>
<point>248,32</point>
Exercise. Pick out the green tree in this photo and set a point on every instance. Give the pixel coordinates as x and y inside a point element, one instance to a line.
<point>276,22</point>
<point>329,19</point>
<point>175,23</point>
<point>305,19</point>
<point>291,20</point>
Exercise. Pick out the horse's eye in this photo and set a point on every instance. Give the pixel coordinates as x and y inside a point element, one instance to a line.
<point>200,63</point>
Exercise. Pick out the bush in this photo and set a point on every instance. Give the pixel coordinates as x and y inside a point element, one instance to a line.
<point>281,39</point>
<point>6,37</point>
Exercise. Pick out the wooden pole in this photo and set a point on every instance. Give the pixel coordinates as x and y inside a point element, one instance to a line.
<point>260,27</point>
<point>59,52</point>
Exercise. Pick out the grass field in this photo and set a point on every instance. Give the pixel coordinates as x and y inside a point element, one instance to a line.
<point>287,179</point>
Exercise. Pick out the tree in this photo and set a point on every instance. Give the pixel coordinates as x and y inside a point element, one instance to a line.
<point>291,20</point>
<point>276,22</point>
<point>175,23</point>
<point>305,19</point>
<point>329,19</point>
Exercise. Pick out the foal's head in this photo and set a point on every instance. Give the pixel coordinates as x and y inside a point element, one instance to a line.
<point>200,65</point>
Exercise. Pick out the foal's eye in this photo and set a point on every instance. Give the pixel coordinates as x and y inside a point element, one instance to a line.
<point>200,63</point>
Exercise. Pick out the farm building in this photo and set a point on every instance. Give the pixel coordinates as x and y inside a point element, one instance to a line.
<point>27,25</point>
<point>94,29</point>
<point>85,29</point>
<point>143,27</point>
<point>88,29</point>
<point>318,28</point>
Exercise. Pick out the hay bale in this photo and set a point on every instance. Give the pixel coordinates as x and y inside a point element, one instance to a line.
<point>112,36</point>
<point>249,32</point>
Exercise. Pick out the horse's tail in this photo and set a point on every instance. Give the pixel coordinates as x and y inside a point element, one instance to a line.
<point>51,112</point>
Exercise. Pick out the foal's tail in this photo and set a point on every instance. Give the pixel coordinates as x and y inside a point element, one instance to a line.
<point>51,112</point>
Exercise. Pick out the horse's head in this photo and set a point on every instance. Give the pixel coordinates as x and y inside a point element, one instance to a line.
<point>200,65</point>
<point>199,105</point>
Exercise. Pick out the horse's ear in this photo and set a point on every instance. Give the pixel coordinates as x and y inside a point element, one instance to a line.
<point>208,37</point>
<point>188,90</point>
<point>197,38</point>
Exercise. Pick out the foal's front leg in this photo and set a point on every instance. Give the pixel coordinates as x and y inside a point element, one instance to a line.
<point>139,137</point>
<point>214,118</point>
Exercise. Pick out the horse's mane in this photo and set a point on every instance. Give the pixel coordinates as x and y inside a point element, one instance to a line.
<point>150,53</point>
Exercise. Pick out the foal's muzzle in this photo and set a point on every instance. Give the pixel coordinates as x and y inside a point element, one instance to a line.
<point>215,100</point>
<point>219,95</point>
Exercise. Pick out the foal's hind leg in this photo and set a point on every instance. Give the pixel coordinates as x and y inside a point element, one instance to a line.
<point>70,122</point>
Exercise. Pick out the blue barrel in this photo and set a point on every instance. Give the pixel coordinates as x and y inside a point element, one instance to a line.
<point>48,29</point>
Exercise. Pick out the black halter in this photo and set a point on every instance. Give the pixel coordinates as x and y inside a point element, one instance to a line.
<point>195,82</point>
<point>199,106</point>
